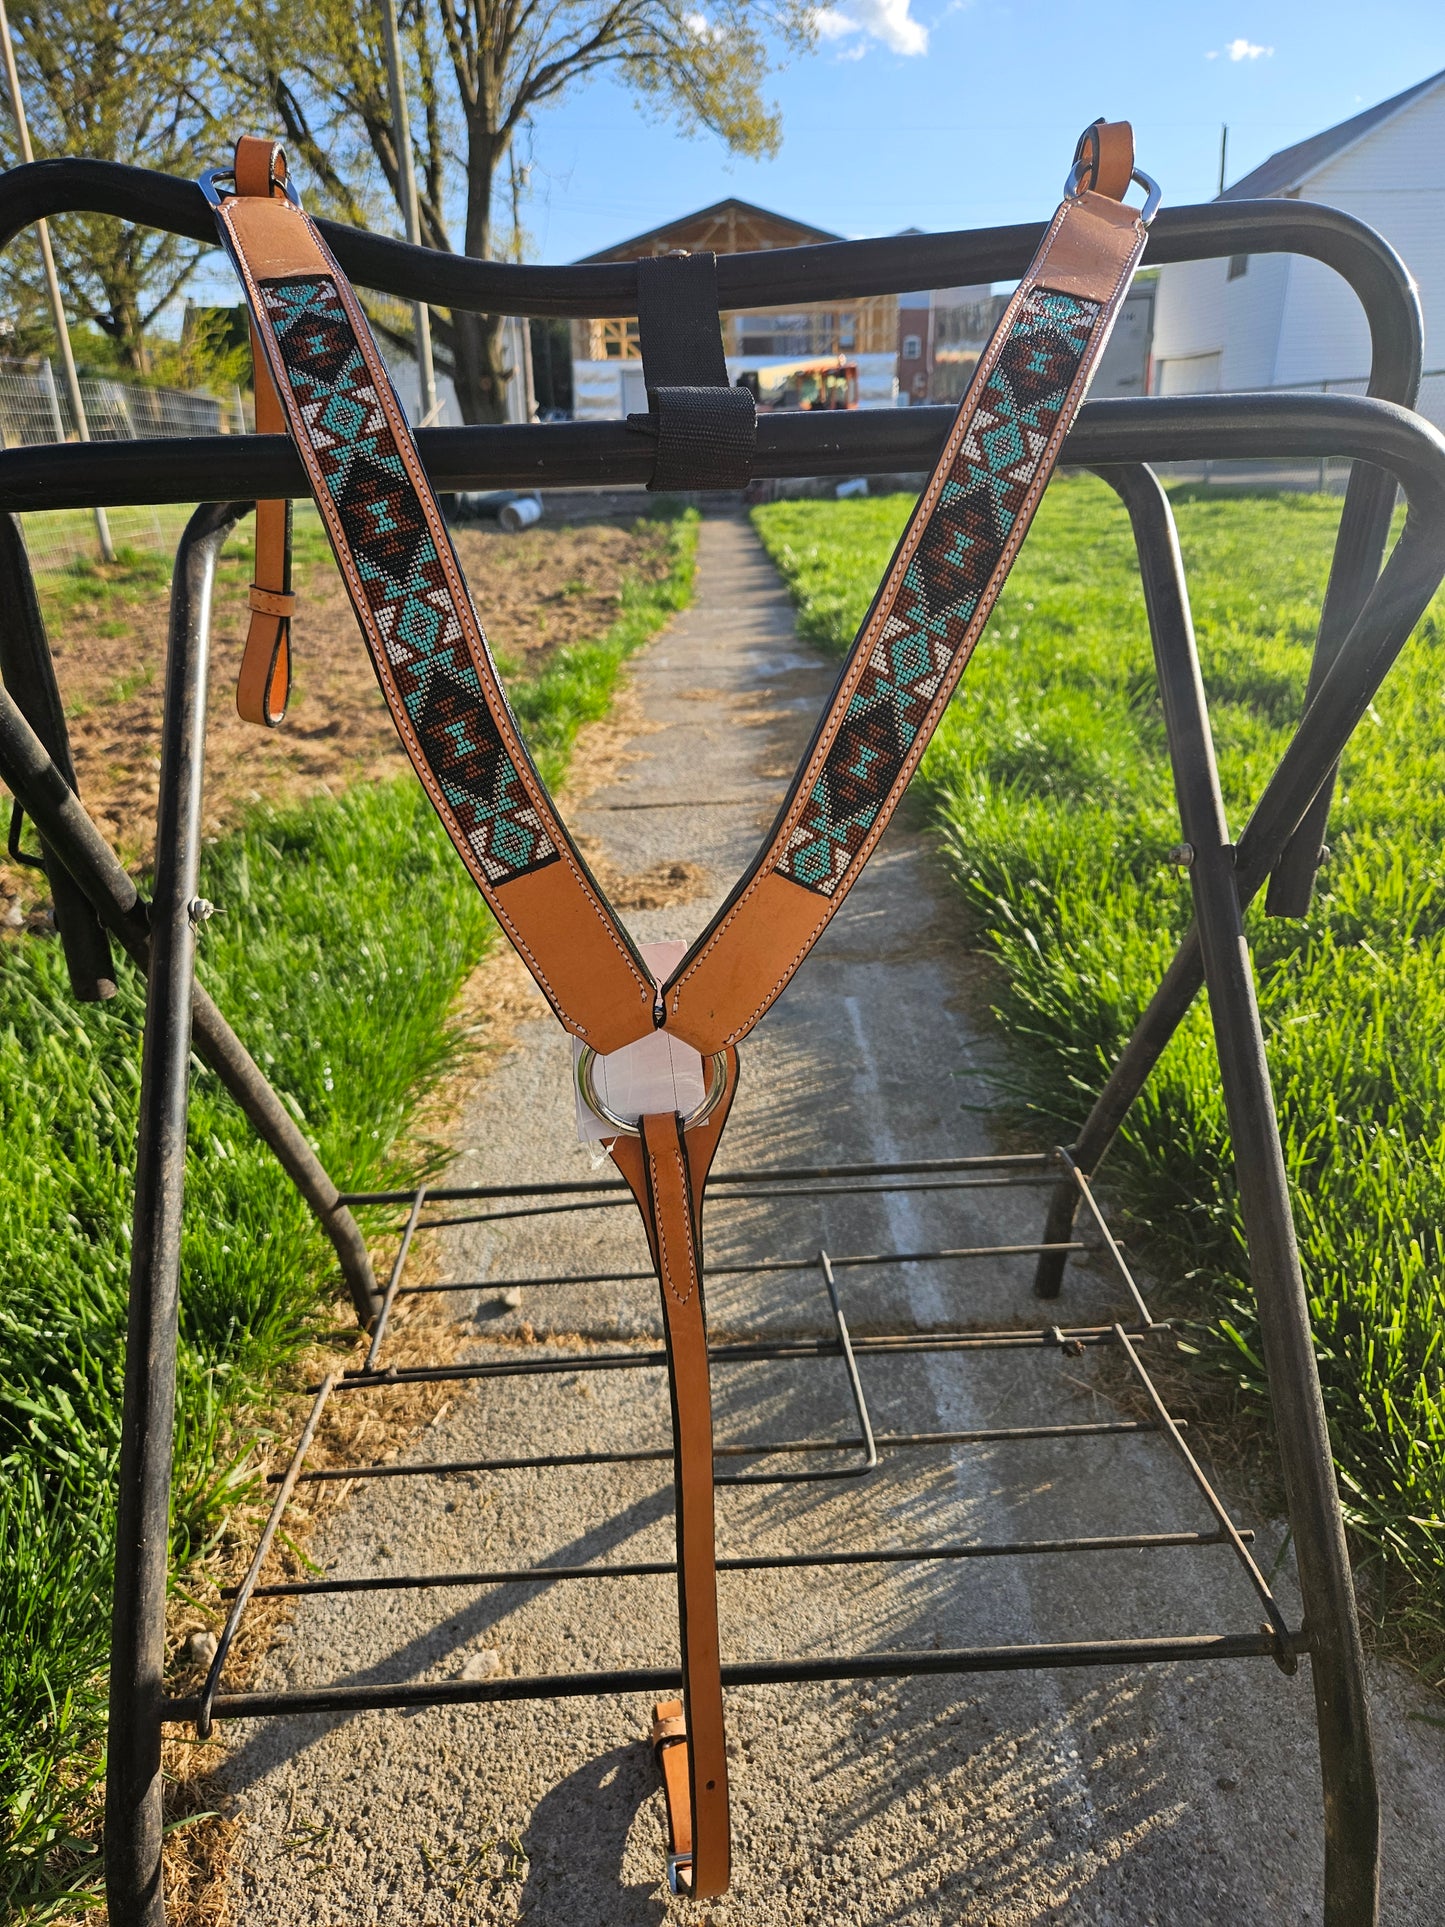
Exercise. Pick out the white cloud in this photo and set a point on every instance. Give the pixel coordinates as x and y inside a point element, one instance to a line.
<point>699,25</point>
<point>1243,49</point>
<point>887,21</point>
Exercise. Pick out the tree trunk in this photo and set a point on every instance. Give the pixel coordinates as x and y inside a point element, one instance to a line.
<point>125,314</point>
<point>481,370</point>
<point>479,366</point>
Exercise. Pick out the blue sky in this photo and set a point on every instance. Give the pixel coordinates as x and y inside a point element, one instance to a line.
<point>962,113</point>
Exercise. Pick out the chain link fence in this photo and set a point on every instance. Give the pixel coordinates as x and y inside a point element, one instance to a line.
<point>34,408</point>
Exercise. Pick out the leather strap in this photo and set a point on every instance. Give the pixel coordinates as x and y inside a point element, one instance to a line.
<point>263,687</point>
<point>439,680</point>
<point>669,1744</point>
<point>944,579</point>
<point>434,667</point>
<point>666,1170</point>
<point>427,647</point>
<point>1106,151</point>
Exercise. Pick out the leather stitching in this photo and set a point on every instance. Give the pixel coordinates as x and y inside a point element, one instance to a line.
<point>663,1263</point>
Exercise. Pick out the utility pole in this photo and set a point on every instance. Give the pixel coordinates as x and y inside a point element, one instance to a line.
<point>52,280</point>
<point>410,212</point>
<point>1223,154</point>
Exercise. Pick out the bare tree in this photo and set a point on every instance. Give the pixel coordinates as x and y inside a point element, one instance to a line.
<point>119,80</point>
<point>480,69</point>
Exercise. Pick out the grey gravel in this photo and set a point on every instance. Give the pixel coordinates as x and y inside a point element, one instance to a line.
<point>1183,1794</point>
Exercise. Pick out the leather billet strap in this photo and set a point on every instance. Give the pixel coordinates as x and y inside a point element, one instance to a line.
<point>666,1170</point>
<point>263,688</point>
<point>669,1746</point>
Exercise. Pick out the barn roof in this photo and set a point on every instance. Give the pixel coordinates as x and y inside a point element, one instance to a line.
<point>641,244</point>
<point>1293,165</point>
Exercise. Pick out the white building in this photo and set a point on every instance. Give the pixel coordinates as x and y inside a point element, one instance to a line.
<point>1281,321</point>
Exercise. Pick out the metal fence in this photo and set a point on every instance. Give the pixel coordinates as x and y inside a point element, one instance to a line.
<point>1327,475</point>
<point>35,408</point>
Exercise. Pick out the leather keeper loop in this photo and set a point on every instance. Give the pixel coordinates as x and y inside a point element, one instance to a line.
<point>260,165</point>
<point>1107,151</point>
<point>271,602</point>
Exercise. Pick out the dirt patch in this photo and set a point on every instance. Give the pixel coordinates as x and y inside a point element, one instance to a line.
<point>656,888</point>
<point>536,592</point>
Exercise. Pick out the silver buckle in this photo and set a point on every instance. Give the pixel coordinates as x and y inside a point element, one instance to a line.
<point>676,1861</point>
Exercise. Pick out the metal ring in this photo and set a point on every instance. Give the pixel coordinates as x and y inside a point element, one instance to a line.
<point>628,1126</point>
<point>1153,193</point>
<point>214,178</point>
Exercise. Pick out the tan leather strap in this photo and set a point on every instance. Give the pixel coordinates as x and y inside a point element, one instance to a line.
<point>259,166</point>
<point>438,677</point>
<point>666,1169</point>
<point>1106,151</point>
<point>669,1744</point>
<point>263,687</point>
<point>430,656</point>
<point>440,682</point>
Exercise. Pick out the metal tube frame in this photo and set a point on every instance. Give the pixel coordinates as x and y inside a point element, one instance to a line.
<point>133,1821</point>
<point>1330,1634</point>
<point>1358,668</point>
<point>40,778</point>
<point>1364,624</point>
<point>848,269</point>
<point>1351,1794</point>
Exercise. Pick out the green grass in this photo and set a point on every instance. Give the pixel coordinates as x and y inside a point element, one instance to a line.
<point>100,592</point>
<point>1050,784</point>
<point>348,926</point>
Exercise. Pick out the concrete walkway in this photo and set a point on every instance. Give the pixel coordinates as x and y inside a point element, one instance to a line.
<point>1180,1795</point>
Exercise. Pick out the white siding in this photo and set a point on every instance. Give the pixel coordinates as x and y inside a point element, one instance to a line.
<point>1123,366</point>
<point>1189,311</point>
<point>1394,179</point>
<point>1200,312</point>
<point>1290,321</point>
<point>607,390</point>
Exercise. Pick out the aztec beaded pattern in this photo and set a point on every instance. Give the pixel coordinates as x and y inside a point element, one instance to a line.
<point>950,570</point>
<point>406,588</point>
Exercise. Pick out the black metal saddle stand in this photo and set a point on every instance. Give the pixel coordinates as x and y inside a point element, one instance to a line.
<point>698,433</point>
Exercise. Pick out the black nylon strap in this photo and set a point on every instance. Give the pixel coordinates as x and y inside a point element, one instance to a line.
<point>706,430</point>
